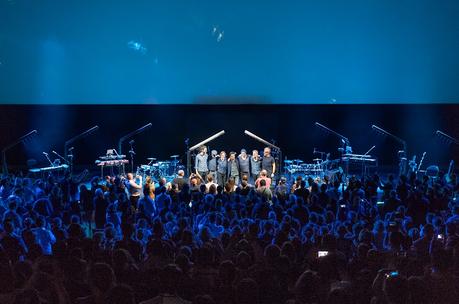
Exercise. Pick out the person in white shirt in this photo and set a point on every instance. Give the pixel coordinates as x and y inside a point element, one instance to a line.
<point>134,188</point>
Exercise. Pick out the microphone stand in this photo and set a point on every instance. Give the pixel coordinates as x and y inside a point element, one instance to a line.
<point>70,157</point>
<point>132,153</point>
<point>188,156</point>
<point>363,162</point>
<point>47,157</point>
<point>65,160</point>
<point>79,136</point>
<point>133,133</point>
<point>60,156</point>
<point>22,139</point>
<point>112,172</point>
<point>383,132</point>
<point>447,138</point>
<point>326,129</point>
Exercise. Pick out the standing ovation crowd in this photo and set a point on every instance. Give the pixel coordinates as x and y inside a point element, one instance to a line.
<point>393,241</point>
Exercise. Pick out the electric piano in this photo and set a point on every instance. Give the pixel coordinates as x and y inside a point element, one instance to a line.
<point>358,164</point>
<point>366,159</point>
<point>47,169</point>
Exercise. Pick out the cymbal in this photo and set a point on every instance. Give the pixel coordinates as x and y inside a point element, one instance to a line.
<point>174,156</point>
<point>288,161</point>
<point>151,158</point>
<point>317,159</point>
<point>298,161</point>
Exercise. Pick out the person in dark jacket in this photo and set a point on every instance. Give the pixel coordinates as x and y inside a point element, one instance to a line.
<point>233,168</point>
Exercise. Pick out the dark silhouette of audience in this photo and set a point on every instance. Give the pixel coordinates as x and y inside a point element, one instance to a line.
<point>370,241</point>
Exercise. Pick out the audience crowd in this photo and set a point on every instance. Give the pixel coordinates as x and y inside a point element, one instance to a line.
<point>393,241</point>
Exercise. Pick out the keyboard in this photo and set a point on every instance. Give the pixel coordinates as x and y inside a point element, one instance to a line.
<point>360,156</point>
<point>46,169</point>
<point>111,163</point>
<point>355,158</point>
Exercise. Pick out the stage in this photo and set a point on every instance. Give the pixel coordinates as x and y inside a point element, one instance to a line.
<point>171,129</point>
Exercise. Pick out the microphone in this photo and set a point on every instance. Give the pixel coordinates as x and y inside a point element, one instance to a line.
<point>44,153</point>
<point>54,152</point>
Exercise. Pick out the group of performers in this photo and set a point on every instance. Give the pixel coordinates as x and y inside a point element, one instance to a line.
<point>217,169</point>
<point>222,167</point>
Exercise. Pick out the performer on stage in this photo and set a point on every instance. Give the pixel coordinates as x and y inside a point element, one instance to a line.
<point>255,165</point>
<point>268,163</point>
<point>233,168</point>
<point>201,162</point>
<point>244,163</point>
<point>213,164</point>
<point>222,169</point>
<point>134,188</point>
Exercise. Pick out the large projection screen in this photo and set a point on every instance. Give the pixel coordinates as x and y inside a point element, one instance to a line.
<point>224,52</point>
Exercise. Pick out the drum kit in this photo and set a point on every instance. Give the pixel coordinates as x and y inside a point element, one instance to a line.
<point>158,169</point>
<point>297,167</point>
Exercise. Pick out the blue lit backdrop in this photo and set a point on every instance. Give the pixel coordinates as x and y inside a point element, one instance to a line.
<point>331,51</point>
